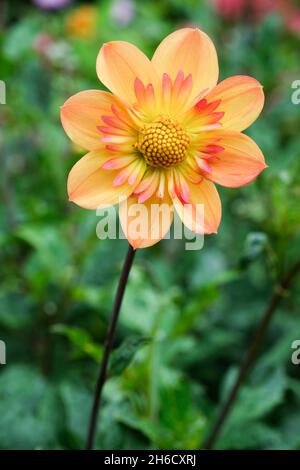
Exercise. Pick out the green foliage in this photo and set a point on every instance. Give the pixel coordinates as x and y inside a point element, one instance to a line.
<point>80,340</point>
<point>188,316</point>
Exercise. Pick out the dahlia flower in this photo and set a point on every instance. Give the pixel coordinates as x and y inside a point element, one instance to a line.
<point>165,135</point>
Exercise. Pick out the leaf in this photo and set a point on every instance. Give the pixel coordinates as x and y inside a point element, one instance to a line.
<point>182,421</point>
<point>122,357</point>
<point>256,401</point>
<point>80,339</point>
<point>19,39</point>
<point>244,429</point>
<point>253,436</point>
<point>77,402</point>
<point>255,245</point>
<point>30,410</point>
<point>15,310</point>
<point>52,248</point>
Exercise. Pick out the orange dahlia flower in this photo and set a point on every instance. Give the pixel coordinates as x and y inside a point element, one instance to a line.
<point>166,134</point>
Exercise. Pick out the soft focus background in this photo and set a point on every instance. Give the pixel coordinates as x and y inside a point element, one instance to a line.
<point>188,316</point>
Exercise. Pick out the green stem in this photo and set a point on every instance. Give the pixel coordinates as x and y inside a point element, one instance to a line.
<point>108,348</point>
<point>251,354</point>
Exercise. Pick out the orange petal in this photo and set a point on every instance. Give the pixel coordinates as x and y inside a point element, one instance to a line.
<point>81,114</point>
<point>242,99</point>
<point>203,212</point>
<point>191,51</point>
<point>239,163</point>
<point>147,223</point>
<point>119,63</point>
<point>90,186</point>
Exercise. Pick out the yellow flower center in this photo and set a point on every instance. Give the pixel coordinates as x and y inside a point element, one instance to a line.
<point>163,143</point>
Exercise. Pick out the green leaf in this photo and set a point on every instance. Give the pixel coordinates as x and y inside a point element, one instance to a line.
<point>122,357</point>
<point>256,401</point>
<point>30,410</point>
<point>81,341</point>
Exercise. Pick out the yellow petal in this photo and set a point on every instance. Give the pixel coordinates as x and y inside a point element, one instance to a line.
<point>239,163</point>
<point>90,186</point>
<point>119,63</point>
<point>242,101</point>
<point>146,224</point>
<point>81,114</point>
<point>191,51</point>
<point>203,212</point>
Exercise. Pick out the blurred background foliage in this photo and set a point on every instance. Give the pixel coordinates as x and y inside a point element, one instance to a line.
<point>188,316</point>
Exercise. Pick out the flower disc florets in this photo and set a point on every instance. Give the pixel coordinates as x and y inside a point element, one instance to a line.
<point>163,143</point>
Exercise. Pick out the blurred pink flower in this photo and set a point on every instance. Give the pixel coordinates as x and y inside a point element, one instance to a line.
<point>51,4</point>
<point>235,9</point>
<point>291,14</point>
<point>263,7</point>
<point>230,8</point>
<point>42,43</point>
<point>257,9</point>
<point>53,52</point>
<point>294,22</point>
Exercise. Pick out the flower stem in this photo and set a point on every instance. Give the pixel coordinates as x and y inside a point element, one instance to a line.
<point>108,348</point>
<point>251,354</point>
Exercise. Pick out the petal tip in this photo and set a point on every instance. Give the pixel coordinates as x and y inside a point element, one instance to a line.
<point>106,45</point>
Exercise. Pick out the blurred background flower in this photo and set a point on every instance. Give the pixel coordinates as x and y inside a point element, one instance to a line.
<point>43,43</point>
<point>81,22</point>
<point>237,10</point>
<point>290,10</point>
<point>122,12</point>
<point>52,4</point>
<point>255,9</point>
<point>231,9</point>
